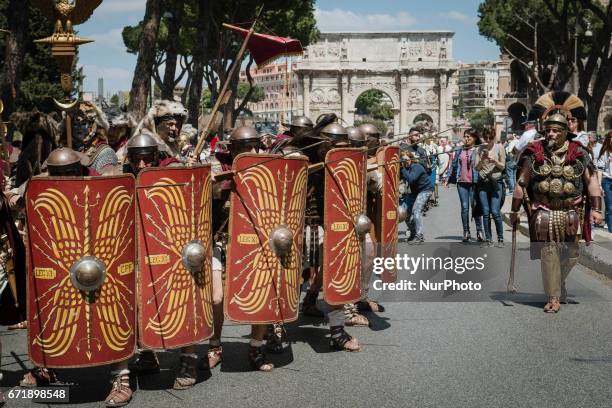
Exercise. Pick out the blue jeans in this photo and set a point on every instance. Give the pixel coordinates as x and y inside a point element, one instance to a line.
<point>466,195</point>
<point>511,174</point>
<point>490,196</point>
<point>606,185</point>
<point>415,203</point>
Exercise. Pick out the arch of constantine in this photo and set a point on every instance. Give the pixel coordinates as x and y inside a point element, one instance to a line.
<point>412,68</point>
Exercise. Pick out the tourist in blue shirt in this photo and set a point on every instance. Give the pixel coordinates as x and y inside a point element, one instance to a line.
<point>421,188</point>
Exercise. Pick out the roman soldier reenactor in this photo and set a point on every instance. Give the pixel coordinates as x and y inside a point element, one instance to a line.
<point>557,183</point>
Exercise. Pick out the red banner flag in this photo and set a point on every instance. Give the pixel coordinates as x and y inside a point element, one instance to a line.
<point>266,48</point>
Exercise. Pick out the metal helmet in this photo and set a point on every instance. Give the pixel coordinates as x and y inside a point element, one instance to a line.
<point>244,134</point>
<point>336,132</point>
<point>369,130</point>
<point>142,144</point>
<point>300,121</point>
<point>356,136</point>
<point>556,119</point>
<point>142,141</point>
<point>64,162</point>
<point>63,157</point>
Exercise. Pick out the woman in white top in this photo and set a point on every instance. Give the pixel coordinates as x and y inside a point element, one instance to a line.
<point>603,160</point>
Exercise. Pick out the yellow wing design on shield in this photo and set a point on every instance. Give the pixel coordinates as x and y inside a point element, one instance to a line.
<point>264,271</point>
<point>346,263</point>
<point>112,238</point>
<point>181,296</point>
<point>62,247</point>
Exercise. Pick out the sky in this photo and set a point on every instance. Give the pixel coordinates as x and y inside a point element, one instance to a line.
<point>107,57</point>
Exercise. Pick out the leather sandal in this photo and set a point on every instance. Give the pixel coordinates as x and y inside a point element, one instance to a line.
<point>342,341</point>
<point>352,318</point>
<point>38,377</point>
<point>19,326</point>
<point>214,356</point>
<point>553,305</point>
<point>274,338</point>
<point>121,393</point>
<point>258,359</point>
<point>187,375</point>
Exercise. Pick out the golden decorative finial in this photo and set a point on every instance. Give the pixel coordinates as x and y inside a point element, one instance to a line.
<point>64,43</point>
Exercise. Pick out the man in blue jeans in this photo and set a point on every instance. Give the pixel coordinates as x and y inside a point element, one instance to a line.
<point>421,188</point>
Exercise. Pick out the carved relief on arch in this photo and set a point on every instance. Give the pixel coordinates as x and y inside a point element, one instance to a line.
<point>431,96</point>
<point>333,96</point>
<point>414,96</point>
<point>317,96</point>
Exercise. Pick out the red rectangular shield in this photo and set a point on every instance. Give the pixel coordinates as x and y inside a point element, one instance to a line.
<point>74,222</point>
<point>269,193</point>
<point>386,220</point>
<point>174,212</point>
<point>345,184</point>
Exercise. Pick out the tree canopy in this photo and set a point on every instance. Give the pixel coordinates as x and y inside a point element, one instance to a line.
<point>41,78</point>
<point>543,35</point>
<point>371,103</point>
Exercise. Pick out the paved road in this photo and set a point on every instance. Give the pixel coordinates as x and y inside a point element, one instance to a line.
<point>481,354</point>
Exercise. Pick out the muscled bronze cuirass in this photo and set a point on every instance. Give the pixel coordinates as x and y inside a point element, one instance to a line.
<point>557,183</point>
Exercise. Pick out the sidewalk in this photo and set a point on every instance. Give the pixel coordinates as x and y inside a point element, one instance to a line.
<point>597,256</point>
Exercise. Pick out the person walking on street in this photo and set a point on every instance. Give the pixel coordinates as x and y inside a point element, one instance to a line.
<point>462,172</point>
<point>604,166</point>
<point>490,163</point>
<point>421,188</point>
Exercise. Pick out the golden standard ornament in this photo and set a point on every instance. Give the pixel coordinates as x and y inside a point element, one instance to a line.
<point>64,43</point>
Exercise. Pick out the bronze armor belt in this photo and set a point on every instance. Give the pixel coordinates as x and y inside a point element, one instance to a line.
<point>557,203</point>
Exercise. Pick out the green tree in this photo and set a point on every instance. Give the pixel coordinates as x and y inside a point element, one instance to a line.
<point>114,99</point>
<point>382,112</point>
<point>206,103</point>
<point>481,119</point>
<point>459,108</point>
<point>257,95</point>
<point>367,100</point>
<point>35,81</point>
<point>212,51</point>
<point>371,103</point>
<point>541,35</point>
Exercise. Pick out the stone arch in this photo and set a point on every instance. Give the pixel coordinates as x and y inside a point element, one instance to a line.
<point>607,122</point>
<point>418,116</point>
<point>389,91</point>
<point>356,91</point>
<point>423,117</point>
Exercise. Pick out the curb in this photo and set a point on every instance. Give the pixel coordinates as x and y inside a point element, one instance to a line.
<point>593,256</point>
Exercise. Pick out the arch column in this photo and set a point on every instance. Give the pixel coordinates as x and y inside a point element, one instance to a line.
<point>404,124</point>
<point>306,94</point>
<point>344,82</point>
<point>442,101</point>
<point>397,112</point>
